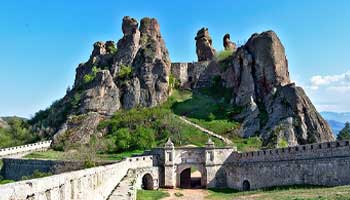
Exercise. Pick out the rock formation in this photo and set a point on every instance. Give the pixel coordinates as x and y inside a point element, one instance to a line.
<point>3,124</point>
<point>228,44</point>
<point>272,106</point>
<point>204,48</point>
<point>133,73</point>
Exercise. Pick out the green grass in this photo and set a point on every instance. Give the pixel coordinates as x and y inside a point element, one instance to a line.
<point>247,144</point>
<point>2,182</point>
<point>151,194</point>
<point>284,193</point>
<point>221,126</point>
<point>223,55</point>
<point>49,155</point>
<point>162,121</point>
<point>60,155</point>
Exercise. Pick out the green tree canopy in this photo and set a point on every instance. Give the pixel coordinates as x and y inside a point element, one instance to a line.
<point>344,134</point>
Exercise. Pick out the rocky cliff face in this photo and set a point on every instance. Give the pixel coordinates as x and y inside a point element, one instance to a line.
<point>3,124</point>
<point>134,72</point>
<point>272,106</point>
<point>204,49</point>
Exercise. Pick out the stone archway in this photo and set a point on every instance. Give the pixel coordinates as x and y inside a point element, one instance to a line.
<point>147,182</point>
<point>246,185</point>
<point>190,177</point>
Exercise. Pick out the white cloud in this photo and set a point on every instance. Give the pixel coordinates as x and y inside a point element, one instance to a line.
<point>337,82</point>
<point>330,92</point>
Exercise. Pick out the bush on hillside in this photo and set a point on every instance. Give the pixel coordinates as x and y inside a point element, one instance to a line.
<point>344,134</point>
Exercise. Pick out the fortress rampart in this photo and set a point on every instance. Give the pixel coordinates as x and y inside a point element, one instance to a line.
<point>88,184</point>
<point>326,164</point>
<point>19,151</point>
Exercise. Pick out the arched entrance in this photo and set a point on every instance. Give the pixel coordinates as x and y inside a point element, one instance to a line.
<point>190,178</point>
<point>246,185</point>
<point>147,182</point>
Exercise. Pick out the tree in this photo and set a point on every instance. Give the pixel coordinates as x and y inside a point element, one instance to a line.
<point>344,134</point>
<point>122,139</point>
<point>143,138</point>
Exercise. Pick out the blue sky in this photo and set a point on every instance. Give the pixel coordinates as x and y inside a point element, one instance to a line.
<point>42,42</point>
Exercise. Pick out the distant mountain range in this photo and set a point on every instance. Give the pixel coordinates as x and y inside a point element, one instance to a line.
<point>336,120</point>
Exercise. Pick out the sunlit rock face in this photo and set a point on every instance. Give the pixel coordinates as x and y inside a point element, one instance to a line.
<point>133,72</point>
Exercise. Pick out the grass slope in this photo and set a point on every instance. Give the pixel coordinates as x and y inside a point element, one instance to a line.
<point>285,193</point>
<point>151,194</point>
<point>60,155</point>
<point>208,110</point>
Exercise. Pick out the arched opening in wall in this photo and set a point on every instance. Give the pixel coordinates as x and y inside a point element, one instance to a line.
<point>191,178</point>
<point>246,185</point>
<point>147,182</point>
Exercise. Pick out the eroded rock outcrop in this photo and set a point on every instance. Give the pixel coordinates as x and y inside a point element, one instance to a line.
<point>204,48</point>
<point>135,72</point>
<point>3,124</point>
<point>228,44</point>
<point>272,106</point>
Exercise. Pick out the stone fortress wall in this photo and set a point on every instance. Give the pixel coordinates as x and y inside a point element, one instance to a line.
<point>15,169</point>
<point>326,164</point>
<point>89,184</point>
<point>19,151</point>
<point>193,74</point>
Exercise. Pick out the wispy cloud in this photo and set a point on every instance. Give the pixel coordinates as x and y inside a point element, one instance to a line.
<point>330,92</point>
<point>337,82</point>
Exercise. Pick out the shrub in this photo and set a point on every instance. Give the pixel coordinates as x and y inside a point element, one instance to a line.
<point>282,143</point>
<point>18,133</point>
<point>173,82</point>
<point>125,72</point>
<point>143,138</point>
<point>90,77</point>
<point>344,134</point>
<point>223,55</point>
<point>122,139</point>
<point>112,49</point>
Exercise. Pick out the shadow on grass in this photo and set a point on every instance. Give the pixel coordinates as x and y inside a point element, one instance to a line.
<point>274,188</point>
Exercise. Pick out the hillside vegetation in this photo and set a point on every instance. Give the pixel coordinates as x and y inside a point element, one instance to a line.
<point>17,133</point>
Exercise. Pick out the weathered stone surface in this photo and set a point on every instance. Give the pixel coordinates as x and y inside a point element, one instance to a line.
<point>100,90</point>
<point>204,48</point>
<point>270,62</point>
<point>3,124</point>
<point>152,64</point>
<point>228,44</point>
<point>128,45</point>
<point>293,117</point>
<point>271,106</point>
<point>101,57</point>
<point>131,96</point>
<point>102,96</point>
<point>79,129</point>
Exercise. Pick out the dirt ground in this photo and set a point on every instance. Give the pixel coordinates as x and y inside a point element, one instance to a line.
<point>188,194</point>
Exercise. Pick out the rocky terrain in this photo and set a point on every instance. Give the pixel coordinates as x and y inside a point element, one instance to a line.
<point>136,72</point>
<point>272,106</point>
<point>3,124</point>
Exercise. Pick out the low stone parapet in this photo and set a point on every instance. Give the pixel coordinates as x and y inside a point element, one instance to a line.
<point>89,184</point>
<point>19,151</point>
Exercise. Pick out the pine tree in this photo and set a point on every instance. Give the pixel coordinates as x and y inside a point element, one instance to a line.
<point>344,134</point>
